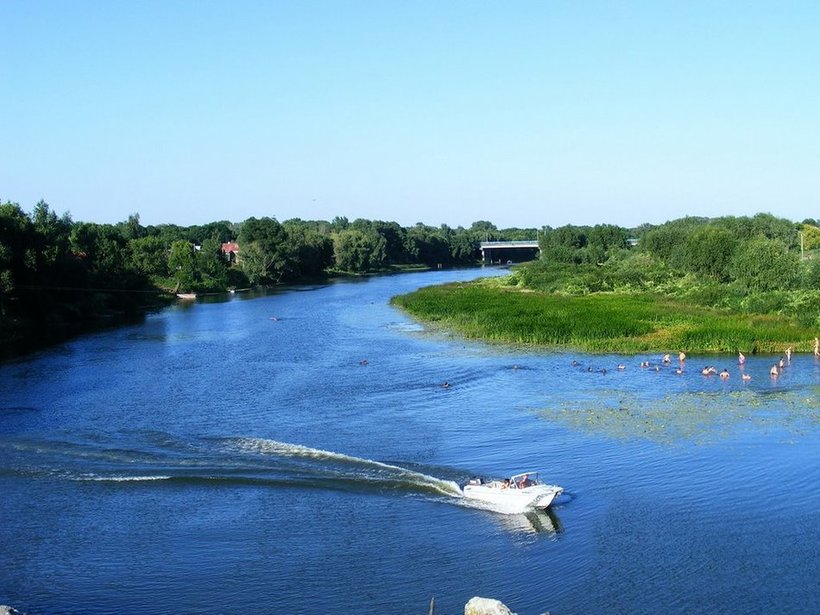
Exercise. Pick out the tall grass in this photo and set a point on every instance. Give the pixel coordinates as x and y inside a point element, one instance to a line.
<point>600,322</point>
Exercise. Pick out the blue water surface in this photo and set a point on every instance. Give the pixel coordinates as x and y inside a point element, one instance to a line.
<point>297,453</point>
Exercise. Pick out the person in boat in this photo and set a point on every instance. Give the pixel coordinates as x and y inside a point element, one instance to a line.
<point>525,482</point>
<point>505,484</point>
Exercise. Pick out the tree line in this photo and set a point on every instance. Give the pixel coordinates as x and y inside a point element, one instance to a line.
<point>759,264</point>
<point>55,271</point>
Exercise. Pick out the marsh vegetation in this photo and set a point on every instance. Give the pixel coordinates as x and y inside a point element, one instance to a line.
<point>697,285</point>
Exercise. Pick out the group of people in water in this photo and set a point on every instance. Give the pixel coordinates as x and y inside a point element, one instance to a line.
<point>711,370</point>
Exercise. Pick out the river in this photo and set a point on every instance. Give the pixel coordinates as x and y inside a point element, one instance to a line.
<point>297,453</point>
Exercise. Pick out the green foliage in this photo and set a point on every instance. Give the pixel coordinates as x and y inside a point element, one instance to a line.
<point>272,252</point>
<point>598,322</point>
<point>810,274</point>
<point>765,265</point>
<point>211,266</point>
<point>811,236</point>
<point>182,265</point>
<point>255,263</point>
<point>149,256</point>
<point>709,251</point>
<point>358,251</point>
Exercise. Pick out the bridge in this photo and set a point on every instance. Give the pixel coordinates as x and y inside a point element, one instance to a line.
<point>512,251</point>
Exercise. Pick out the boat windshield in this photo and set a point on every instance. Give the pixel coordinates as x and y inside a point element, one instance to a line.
<point>524,480</point>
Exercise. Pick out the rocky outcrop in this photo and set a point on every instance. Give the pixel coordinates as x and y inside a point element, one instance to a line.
<point>486,606</point>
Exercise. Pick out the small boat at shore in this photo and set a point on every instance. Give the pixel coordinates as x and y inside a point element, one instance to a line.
<point>514,495</point>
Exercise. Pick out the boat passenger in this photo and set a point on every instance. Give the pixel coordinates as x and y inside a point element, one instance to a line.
<point>505,484</point>
<point>524,482</point>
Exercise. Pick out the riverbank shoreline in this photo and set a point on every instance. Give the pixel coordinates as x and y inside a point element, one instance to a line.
<point>623,323</point>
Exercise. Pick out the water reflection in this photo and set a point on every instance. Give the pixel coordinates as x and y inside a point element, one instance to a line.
<point>532,522</point>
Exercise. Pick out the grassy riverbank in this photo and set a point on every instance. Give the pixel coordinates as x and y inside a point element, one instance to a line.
<point>599,322</point>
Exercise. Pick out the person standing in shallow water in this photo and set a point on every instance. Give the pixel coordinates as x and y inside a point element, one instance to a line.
<point>741,358</point>
<point>816,347</point>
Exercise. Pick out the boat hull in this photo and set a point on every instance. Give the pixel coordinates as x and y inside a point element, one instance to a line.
<point>512,501</point>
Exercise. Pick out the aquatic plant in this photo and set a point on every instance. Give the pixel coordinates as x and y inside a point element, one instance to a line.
<point>493,310</point>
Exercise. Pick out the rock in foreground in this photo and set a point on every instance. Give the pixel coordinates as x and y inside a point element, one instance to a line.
<point>486,606</point>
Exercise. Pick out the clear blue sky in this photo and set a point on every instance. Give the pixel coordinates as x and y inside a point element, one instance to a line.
<point>443,112</point>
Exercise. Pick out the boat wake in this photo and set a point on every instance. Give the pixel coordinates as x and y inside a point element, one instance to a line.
<point>153,459</point>
<point>158,457</point>
<point>347,467</point>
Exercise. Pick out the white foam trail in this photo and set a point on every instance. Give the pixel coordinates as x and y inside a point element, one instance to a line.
<point>121,479</point>
<point>285,449</point>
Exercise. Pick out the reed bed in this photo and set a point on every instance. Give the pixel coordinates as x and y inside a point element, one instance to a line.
<point>600,322</point>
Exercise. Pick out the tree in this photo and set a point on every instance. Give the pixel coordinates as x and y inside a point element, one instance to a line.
<point>427,245</point>
<point>211,265</point>
<point>102,248</point>
<point>131,229</point>
<point>16,234</point>
<point>148,256</point>
<point>358,251</point>
<point>271,238</point>
<point>53,241</point>
<point>182,264</point>
<point>709,251</point>
<point>313,251</point>
<point>765,264</point>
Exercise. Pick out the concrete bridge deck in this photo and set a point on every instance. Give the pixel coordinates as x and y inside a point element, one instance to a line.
<point>491,249</point>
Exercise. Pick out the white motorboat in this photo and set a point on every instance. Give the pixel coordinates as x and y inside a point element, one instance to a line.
<point>514,495</point>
